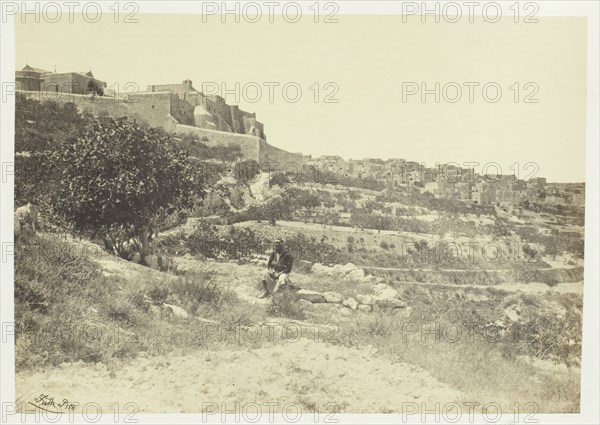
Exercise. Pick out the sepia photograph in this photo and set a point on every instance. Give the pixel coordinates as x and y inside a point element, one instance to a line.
<point>293,212</point>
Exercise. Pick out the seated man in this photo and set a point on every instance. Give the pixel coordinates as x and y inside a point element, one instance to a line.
<point>278,269</point>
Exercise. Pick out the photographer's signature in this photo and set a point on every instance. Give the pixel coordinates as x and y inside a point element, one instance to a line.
<point>48,403</point>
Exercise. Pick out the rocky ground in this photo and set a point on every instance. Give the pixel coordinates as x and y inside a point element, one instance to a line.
<point>278,370</point>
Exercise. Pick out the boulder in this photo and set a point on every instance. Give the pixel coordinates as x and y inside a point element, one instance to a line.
<point>364,308</point>
<point>333,297</point>
<point>350,303</point>
<point>338,270</point>
<point>357,274</point>
<point>402,312</point>
<point>344,311</point>
<point>390,303</point>
<point>304,303</point>
<point>312,296</point>
<point>27,220</point>
<point>371,279</point>
<point>383,291</point>
<point>347,268</point>
<point>365,299</point>
<point>319,268</point>
<point>176,310</point>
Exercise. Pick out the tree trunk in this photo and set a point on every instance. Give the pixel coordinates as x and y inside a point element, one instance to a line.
<point>145,241</point>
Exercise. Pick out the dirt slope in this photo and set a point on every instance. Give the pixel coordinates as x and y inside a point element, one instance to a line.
<point>311,374</point>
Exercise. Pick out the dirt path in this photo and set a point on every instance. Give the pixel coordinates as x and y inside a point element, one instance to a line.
<point>313,376</point>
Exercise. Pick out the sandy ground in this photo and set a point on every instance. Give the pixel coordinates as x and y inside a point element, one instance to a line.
<point>315,376</point>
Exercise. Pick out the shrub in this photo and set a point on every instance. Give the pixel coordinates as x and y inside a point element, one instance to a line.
<point>237,243</point>
<point>193,291</point>
<point>285,304</point>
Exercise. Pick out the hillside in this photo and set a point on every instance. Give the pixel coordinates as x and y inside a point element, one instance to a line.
<point>142,273</point>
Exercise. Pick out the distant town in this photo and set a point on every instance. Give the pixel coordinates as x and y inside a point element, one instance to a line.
<point>454,182</point>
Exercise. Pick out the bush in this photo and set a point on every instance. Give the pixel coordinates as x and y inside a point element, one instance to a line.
<point>193,291</point>
<point>237,243</point>
<point>304,248</point>
<point>285,304</point>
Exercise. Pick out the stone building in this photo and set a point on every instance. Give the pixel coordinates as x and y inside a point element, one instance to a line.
<point>35,79</point>
<point>212,112</point>
<point>30,79</point>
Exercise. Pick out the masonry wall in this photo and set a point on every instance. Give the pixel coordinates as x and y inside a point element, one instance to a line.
<point>68,82</point>
<point>182,111</point>
<point>278,159</point>
<point>151,109</point>
<point>29,80</point>
<point>216,105</point>
<point>250,145</point>
<point>155,109</point>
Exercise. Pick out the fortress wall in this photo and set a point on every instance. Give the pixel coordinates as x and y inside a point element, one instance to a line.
<point>250,145</point>
<point>217,106</point>
<point>278,159</point>
<point>238,123</point>
<point>153,109</point>
<point>182,111</point>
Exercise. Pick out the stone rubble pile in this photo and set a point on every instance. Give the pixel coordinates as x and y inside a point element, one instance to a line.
<point>347,272</point>
<point>383,296</point>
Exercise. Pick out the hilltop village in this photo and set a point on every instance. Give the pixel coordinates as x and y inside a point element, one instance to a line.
<point>183,109</point>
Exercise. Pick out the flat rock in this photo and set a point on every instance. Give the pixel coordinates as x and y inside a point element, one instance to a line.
<point>370,278</point>
<point>312,296</point>
<point>350,303</point>
<point>349,267</point>
<point>402,312</point>
<point>383,291</point>
<point>364,308</point>
<point>333,297</point>
<point>176,310</point>
<point>357,274</point>
<point>319,268</point>
<point>390,303</point>
<point>365,299</point>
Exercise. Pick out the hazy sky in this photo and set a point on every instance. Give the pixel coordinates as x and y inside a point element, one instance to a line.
<point>370,59</point>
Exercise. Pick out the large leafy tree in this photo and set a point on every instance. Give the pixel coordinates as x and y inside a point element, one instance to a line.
<point>120,181</point>
<point>40,127</point>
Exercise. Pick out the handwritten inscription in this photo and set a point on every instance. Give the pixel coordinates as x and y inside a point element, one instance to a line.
<point>48,403</point>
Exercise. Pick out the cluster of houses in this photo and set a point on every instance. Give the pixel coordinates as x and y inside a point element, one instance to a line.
<point>454,182</point>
